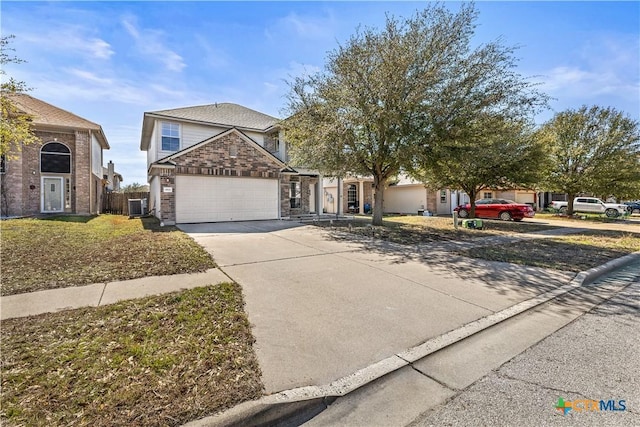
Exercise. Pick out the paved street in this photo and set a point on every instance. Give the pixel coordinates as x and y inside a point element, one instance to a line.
<point>502,377</point>
<point>596,357</point>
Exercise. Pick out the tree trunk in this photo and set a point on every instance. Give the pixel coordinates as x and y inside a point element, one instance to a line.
<point>570,197</point>
<point>472,202</point>
<point>378,200</point>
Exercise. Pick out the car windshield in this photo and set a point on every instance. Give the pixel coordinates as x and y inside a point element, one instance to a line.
<point>508,202</point>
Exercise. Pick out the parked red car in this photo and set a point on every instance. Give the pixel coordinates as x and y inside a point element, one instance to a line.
<point>497,208</point>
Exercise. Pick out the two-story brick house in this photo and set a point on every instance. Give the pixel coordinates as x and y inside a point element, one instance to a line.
<point>60,174</point>
<point>222,162</point>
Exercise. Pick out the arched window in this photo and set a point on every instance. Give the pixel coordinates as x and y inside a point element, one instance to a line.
<point>55,158</point>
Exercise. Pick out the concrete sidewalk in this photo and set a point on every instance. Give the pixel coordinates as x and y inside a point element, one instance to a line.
<point>52,300</point>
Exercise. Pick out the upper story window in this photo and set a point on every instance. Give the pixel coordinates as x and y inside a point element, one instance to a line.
<point>170,136</point>
<point>55,158</point>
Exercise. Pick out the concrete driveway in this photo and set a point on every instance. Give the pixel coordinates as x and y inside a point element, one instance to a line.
<point>323,306</point>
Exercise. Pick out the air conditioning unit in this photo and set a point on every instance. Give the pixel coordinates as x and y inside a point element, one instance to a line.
<point>137,207</point>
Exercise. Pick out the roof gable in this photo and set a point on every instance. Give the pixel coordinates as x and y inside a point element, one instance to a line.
<point>170,159</point>
<point>45,114</point>
<point>224,114</point>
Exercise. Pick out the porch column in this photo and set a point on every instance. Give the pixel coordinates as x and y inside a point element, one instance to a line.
<point>361,197</point>
<point>320,197</point>
<point>339,201</point>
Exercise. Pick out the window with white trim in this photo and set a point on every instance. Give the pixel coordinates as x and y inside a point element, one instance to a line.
<point>170,136</point>
<point>55,158</point>
<point>352,194</point>
<point>295,196</point>
<point>488,195</point>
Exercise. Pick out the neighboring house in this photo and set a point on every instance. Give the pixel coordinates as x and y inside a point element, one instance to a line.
<point>406,196</point>
<point>222,162</point>
<point>112,179</point>
<point>62,173</point>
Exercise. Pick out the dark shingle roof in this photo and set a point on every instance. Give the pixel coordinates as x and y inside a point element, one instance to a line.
<point>43,113</point>
<point>225,113</point>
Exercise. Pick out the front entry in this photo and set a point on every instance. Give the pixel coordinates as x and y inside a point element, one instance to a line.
<point>52,194</point>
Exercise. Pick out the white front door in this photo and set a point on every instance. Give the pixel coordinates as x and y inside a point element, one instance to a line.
<point>52,194</point>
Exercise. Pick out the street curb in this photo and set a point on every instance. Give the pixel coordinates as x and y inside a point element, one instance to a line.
<point>295,406</point>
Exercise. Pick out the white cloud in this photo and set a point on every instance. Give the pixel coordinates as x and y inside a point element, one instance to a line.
<point>605,71</point>
<point>70,39</point>
<point>212,56</point>
<point>316,27</point>
<point>150,43</point>
<point>89,76</point>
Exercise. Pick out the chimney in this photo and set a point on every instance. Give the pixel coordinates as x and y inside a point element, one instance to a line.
<point>110,172</point>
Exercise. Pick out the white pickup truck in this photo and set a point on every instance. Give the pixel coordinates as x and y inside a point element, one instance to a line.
<point>591,205</point>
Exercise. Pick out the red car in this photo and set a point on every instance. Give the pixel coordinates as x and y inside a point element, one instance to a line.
<point>497,208</point>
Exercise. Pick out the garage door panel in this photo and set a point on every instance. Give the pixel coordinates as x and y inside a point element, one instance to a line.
<point>213,199</point>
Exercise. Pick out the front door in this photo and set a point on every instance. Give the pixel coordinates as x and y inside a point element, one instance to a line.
<point>52,194</point>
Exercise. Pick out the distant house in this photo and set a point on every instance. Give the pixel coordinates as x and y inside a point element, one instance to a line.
<point>111,178</point>
<point>223,162</point>
<point>406,196</point>
<point>61,174</point>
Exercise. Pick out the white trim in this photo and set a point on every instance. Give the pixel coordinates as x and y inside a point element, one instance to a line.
<point>42,191</point>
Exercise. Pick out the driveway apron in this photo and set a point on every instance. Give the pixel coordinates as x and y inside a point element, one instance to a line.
<point>323,307</point>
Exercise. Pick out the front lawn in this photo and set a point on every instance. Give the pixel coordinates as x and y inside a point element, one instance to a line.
<point>410,230</point>
<point>162,360</point>
<point>574,252</point>
<point>70,251</point>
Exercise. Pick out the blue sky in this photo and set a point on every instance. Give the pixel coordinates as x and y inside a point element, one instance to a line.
<point>109,62</point>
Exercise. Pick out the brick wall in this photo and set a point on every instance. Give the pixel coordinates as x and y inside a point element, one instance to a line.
<point>22,182</point>
<point>84,195</point>
<point>285,194</point>
<point>168,199</point>
<point>214,158</point>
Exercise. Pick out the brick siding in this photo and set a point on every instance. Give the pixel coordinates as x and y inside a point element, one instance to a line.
<point>21,184</point>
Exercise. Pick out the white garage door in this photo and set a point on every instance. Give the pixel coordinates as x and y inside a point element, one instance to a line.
<point>525,197</point>
<point>212,199</point>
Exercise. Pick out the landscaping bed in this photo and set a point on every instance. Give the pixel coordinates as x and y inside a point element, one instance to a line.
<point>161,360</point>
<point>74,250</point>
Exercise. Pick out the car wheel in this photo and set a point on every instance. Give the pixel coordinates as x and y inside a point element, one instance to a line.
<point>563,210</point>
<point>462,213</point>
<point>611,213</point>
<point>505,216</point>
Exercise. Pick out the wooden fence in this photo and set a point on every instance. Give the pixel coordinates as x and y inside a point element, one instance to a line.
<point>118,203</point>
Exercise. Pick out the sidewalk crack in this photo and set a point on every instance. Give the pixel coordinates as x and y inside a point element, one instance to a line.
<point>424,374</point>
<point>104,288</point>
<point>533,383</point>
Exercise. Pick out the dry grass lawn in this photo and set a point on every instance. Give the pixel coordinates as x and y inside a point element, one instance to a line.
<point>73,250</point>
<point>410,230</point>
<point>574,252</point>
<point>162,360</point>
